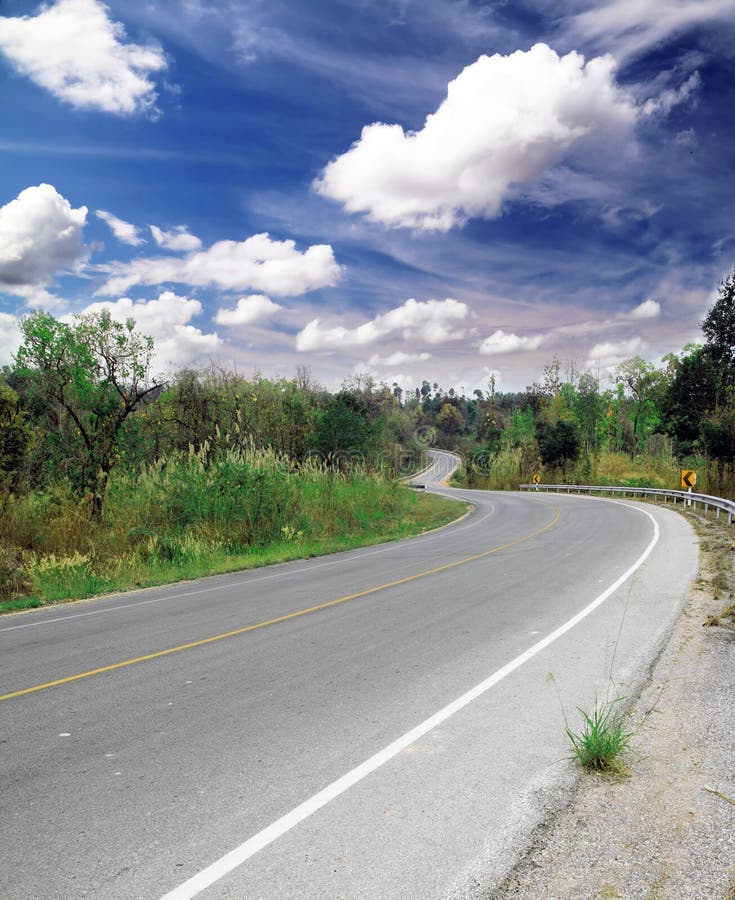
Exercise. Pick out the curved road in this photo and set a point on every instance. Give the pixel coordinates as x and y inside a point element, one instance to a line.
<point>381,723</point>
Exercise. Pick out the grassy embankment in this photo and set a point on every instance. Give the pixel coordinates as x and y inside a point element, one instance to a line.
<point>187,517</point>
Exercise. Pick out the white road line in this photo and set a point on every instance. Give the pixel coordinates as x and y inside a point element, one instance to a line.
<point>223,866</point>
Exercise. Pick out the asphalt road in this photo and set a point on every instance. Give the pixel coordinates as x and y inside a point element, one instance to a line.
<point>286,713</point>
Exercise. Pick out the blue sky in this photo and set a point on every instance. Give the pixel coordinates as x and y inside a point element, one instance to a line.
<point>436,189</point>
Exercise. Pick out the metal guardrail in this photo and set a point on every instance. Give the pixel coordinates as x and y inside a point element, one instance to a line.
<point>720,504</point>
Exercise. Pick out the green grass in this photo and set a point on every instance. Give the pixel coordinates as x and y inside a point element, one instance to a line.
<point>603,738</point>
<point>192,517</point>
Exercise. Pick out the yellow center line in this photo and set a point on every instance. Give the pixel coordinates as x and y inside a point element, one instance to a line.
<point>293,615</point>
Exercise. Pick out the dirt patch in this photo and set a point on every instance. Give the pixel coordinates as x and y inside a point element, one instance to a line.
<point>668,830</point>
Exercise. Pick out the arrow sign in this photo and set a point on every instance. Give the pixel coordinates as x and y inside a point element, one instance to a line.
<point>688,478</point>
<point>537,479</point>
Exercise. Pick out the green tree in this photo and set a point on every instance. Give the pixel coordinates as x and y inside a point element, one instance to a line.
<point>641,381</point>
<point>588,407</point>
<point>558,444</point>
<point>718,435</point>
<point>96,370</point>
<point>719,329</point>
<point>449,419</point>
<point>15,437</point>
<point>691,391</point>
<point>342,430</point>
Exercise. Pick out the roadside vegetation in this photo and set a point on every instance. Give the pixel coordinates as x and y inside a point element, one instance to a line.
<point>192,515</point>
<point>604,738</point>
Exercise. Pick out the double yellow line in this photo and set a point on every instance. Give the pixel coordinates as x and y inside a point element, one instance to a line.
<point>293,615</point>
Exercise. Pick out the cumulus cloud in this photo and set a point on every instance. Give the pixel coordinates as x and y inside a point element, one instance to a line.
<point>248,310</point>
<point>258,263</point>
<point>178,239</point>
<point>74,50</point>
<point>432,321</point>
<point>9,338</point>
<point>40,234</point>
<point>504,121</point>
<point>611,353</point>
<point>398,359</point>
<point>122,230</point>
<point>166,320</point>
<point>503,342</point>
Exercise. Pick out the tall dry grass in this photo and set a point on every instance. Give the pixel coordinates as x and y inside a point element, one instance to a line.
<point>186,516</point>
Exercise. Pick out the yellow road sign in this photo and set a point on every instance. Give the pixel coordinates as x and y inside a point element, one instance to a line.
<point>537,479</point>
<point>688,478</point>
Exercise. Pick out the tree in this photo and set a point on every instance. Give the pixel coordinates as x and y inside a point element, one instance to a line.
<point>588,408</point>
<point>718,435</point>
<point>641,381</point>
<point>719,329</point>
<point>558,444</point>
<point>15,436</point>
<point>449,419</point>
<point>691,391</point>
<point>342,432</point>
<point>98,371</point>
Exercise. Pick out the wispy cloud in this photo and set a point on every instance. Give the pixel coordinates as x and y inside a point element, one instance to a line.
<point>123,231</point>
<point>629,27</point>
<point>178,238</point>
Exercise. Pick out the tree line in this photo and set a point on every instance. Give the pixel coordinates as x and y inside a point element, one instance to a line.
<point>80,400</point>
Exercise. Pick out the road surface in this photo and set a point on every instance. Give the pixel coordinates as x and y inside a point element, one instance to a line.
<point>384,723</point>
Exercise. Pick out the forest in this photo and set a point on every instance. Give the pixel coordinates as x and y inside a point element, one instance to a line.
<point>111,478</point>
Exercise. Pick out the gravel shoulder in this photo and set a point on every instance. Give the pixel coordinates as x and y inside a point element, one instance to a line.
<point>668,829</point>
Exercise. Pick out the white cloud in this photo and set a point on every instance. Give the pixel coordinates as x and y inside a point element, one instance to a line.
<point>166,320</point>
<point>671,97</point>
<point>178,239</point>
<point>630,26</point>
<point>35,296</point>
<point>505,120</point>
<point>248,310</point>
<point>649,309</point>
<point>433,321</point>
<point>40,234</point>
<point>122,230</point>
<point>258,263</point>
<point>74,50</point>
<point>10,338</point>
<point>398,359</point>
<point>611,353</point>
<point>503,342</point>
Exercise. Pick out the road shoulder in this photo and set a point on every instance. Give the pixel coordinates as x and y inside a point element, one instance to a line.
<point>668,830</point>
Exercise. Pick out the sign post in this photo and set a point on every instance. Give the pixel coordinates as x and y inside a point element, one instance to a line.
<point>537,480</point>
<point>688,480</point>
